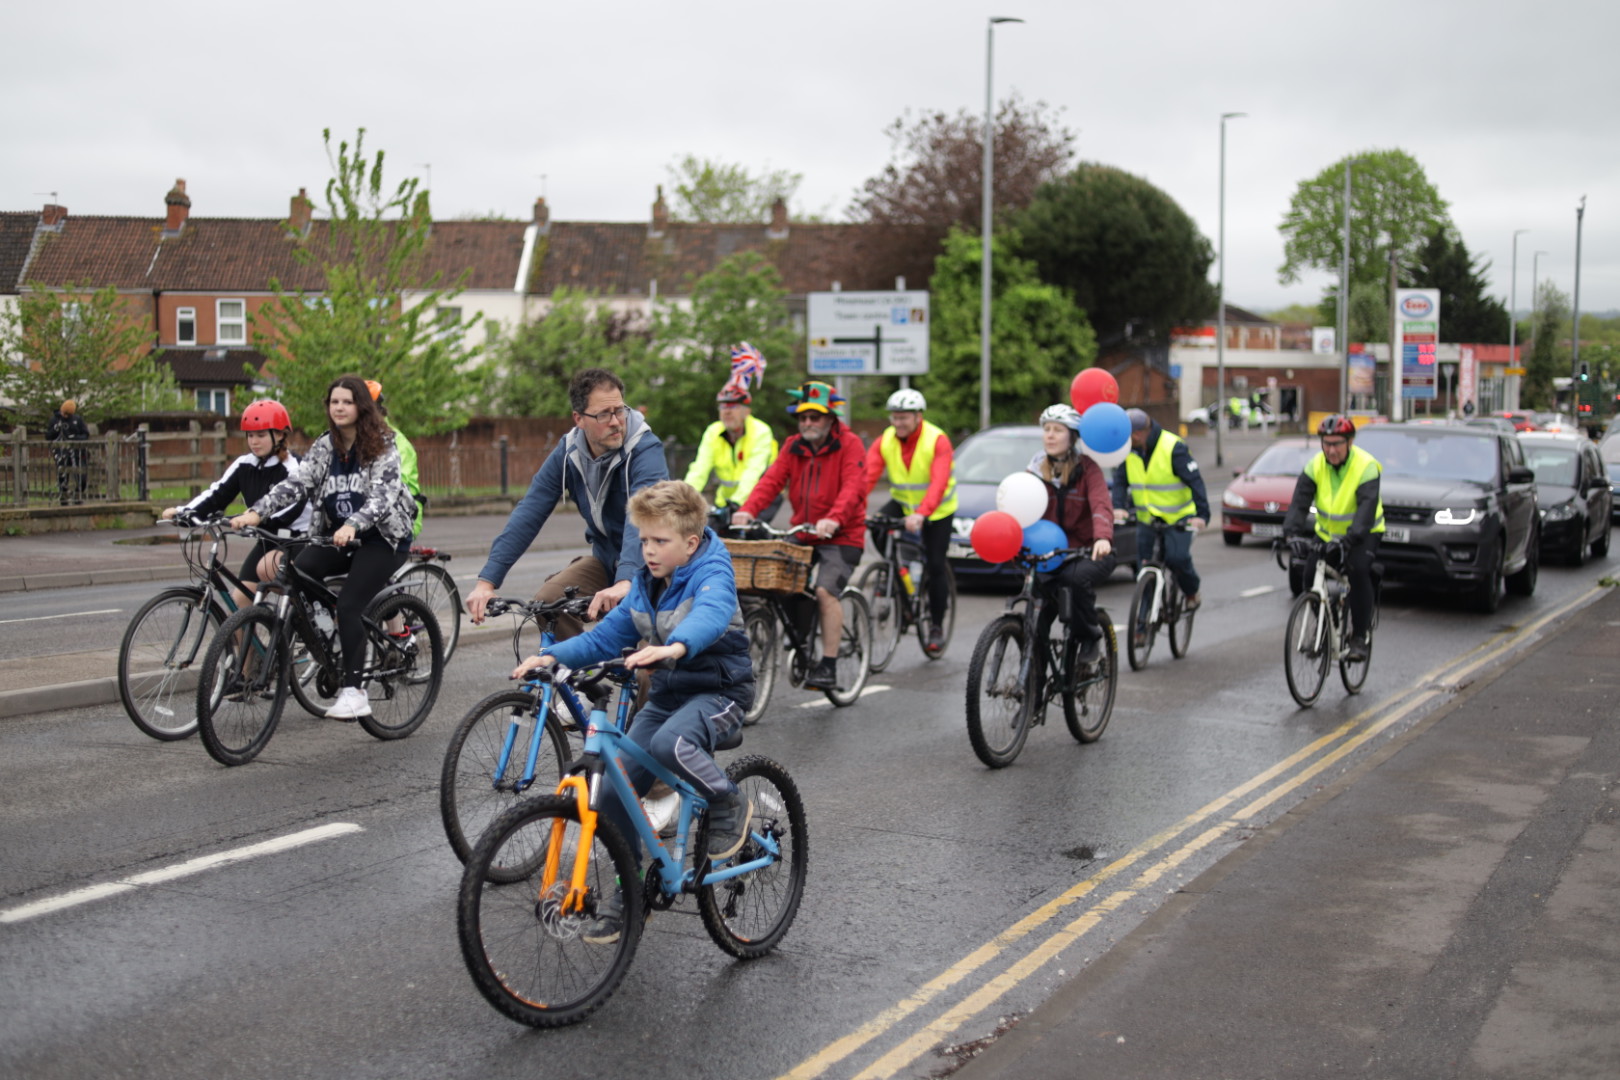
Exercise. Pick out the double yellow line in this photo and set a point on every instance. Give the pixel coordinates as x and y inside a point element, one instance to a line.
<point>1444,679</point>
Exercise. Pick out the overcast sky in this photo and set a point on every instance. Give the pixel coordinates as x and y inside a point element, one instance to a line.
<point>1510,107</point>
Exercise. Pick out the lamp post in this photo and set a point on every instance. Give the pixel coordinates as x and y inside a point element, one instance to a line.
<point>1220,307</point>
<point>1513,300</point>
<point>984,268</point>
<point>1342,330</point>
<point>1575,335</point>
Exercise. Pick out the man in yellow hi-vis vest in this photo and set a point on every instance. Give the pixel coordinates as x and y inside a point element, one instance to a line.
<point>737,449</point>
<point>1342,482</point>
<point>1160,481</point>
<point>917,458</point>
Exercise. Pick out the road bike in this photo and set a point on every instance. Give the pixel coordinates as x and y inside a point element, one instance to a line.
<point>781,614</point>
<point>249,667</point>
<point>514,739</point>
<point>551,865</point>
<point>896,590</point>
<point>1318,633</point>
<point>1016,670</point>
<point>1158,602</point>
<point>427,577</point>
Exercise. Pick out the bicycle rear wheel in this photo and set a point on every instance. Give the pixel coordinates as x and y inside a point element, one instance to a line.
<point>747,916</point>
<point>998,701</point>
<point>854,649</point>
<point>1090,703</point>
<point>1307,650</point>
<point>760,624</point>
<point>242,687</point>
<point>431,583</point>
<point>1141,628</point>
<point>473,790</point>
<point>158,658</point>
<point>947,622</point>
<point>1180,620</point>
<point>526,955</point>
<point>885,600</point>
<point>405,669</point>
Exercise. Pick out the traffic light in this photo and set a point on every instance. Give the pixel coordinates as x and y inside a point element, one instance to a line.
<point>1583,371</point>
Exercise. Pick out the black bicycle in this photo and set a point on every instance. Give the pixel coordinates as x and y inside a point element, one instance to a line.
<point>1016,671</point>
<point>424,572</point>
<point>896,590</point>
<point>248,671</point>
<point>1157,603</point>
<point>1318,634</point>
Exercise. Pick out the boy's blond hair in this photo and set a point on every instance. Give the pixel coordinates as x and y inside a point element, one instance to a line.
<point>669,502</point>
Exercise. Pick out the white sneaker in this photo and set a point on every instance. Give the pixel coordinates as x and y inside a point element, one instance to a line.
<point>661,812</point>
<point>351,702</point>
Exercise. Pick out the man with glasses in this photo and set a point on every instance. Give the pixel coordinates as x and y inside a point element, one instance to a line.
<point>736,450</point>
<point>823,468</point>
<point>1342,483</point>
<point>609,456</point>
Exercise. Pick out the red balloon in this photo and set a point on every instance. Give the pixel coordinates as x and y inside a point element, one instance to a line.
<point>997,536</point>
<point>1091,386</point>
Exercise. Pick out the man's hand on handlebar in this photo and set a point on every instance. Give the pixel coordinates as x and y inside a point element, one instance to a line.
<point>1196,524</point>
<point>1119,516</point>
<point>478,600</point>
<point>827,528</point>
<point>914,523</point>
<point>742,517</point>
<point>607,599</point>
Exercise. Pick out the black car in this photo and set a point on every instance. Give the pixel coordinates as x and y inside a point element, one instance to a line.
<point>1572,490</point>
<point>982,462</point>
<point>1459,509</point>
<point>1609,452</point>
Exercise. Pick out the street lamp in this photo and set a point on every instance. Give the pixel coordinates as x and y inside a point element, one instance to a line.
<point>1220,308</point>
<point>1342,331</point>
<point>984,269</point>
<point>1575,351</point>
<point>1535,294</point>
<point>1513,300</point>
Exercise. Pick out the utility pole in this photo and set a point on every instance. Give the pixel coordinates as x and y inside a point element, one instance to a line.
<point>1220,308</point>
<point>984,232</point>
<point>1575,351</point>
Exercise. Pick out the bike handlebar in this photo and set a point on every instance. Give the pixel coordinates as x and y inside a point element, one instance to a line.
<point>577,606</point>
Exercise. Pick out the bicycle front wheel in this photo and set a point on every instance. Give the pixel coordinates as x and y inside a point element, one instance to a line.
<point>1180,620</point>
<point>854,649</point>
<point>405,667</point>
<point>527,953</point>
<point>998,701</point>
<point>1089,703</point>
<point>242,687</point>
<point>748,915</point>
<point>1307,650</point>
<point>760,624</point>
<point>947,621</point>
<point>163,646</point>
<point>431,583</point>
<point>1141,628</point>
<point>473,789</point>
<point>886,601</point>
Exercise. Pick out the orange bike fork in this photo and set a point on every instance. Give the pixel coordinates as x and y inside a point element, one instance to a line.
<point>574,902</point>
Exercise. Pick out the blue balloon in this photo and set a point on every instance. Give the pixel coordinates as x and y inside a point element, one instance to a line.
<point>1044,536</point>
<point>1105,427</point>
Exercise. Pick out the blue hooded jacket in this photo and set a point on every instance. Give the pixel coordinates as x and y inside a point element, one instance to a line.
<point>600,488</point>
<point>699,609</point>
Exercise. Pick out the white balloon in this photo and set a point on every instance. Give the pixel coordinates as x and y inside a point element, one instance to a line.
<point>1023,496</point>
<point>1112,459</point>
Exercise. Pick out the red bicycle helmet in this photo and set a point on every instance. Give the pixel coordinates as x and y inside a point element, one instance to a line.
<point>266,415</point>
<point>1337,424</point>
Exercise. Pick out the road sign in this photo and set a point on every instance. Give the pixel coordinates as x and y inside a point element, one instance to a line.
<point>868,333</point>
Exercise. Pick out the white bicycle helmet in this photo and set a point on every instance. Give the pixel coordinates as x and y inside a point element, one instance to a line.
<point>906,401</point>
<point>1061,414</point>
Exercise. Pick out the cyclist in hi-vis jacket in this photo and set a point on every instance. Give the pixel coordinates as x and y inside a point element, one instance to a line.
<point>736,449</point>
<point>1161,481</point>
<point>1342,483</point>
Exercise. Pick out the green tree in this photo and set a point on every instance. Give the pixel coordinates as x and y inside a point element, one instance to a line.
<point>1467,313</point>
<point>1548,358</point>
<point>741,299</point>
<point>1393,207</point>
<point>82,344</point>
<point>534,362</point>
<point>1040,339</point>
<point>708,190</point>
<point>1300,313</point>
<point>1124,250</point>
<point>372,252</point>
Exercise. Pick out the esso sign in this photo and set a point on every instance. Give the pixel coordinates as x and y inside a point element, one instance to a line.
<point>1416,307</point>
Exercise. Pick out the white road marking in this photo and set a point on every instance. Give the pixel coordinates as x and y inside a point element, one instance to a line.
<point>824,703</point>
<point>1258,590</point>
<point>179,870</point>
<point>64,615</point>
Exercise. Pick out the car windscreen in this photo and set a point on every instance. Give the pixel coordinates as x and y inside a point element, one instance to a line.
<point>1552,464</point>
<point>1282,460</point>
<point>989,458</point>
<point>1430,455</point>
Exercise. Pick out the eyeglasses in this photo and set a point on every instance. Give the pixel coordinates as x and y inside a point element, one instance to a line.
<point>1335,444</point>
<point>606,415</point>
<point>814,417</point>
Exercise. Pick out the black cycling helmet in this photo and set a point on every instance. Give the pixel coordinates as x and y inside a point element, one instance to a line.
<point>1337,424</point>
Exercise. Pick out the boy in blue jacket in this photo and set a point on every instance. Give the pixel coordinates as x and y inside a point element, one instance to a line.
<point>683,603</point>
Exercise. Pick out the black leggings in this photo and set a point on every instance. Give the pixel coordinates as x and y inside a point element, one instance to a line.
<point>1079,578</point>
<point>369,567</point>
<point>936,542</point>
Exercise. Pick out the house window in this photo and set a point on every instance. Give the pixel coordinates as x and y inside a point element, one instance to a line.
<point>218,401</point>
<point>185,326</point>
<point>232,322</point>
<point>447,322</point>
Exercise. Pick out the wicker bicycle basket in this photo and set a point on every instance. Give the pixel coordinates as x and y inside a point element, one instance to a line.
<point>770,566</point>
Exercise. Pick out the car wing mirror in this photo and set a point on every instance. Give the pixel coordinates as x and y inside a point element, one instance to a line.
<point>1520,474</point>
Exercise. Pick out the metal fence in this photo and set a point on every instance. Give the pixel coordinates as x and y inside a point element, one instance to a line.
<point>40,473</point>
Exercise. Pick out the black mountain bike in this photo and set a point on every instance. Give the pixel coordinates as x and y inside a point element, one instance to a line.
<point>1157,602</point>
<point>896,591</point>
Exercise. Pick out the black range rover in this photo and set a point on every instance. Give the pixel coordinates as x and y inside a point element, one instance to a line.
<point>1459,509</point>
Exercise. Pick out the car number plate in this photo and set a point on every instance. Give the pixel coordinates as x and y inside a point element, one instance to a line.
<point>1397,533</point>
<point>962,551</point>
<point>1267,531</point>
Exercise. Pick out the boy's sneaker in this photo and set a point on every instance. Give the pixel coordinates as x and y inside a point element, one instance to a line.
<point>661,810</point>
<point>351,702</point>
<point>824,676</point>
<point>609,923</point>
<point>729,818</point>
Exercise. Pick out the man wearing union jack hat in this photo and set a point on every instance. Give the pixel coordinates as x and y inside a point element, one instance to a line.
<point>739,447</point>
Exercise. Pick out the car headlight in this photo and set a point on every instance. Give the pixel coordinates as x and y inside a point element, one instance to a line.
<point>1562,512</point>
<point>1232,498</point>
<point>1461,516</point>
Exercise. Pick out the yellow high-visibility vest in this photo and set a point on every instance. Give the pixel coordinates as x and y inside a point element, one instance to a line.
<point>1155,489</point>
<point>737,466</point>
<point>1336,492</point>
<point>910,485</point>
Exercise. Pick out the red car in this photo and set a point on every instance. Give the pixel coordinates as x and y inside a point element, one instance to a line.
<point>1522,421</point>
<point>1257,500</point>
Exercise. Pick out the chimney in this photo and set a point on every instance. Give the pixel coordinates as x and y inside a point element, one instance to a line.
<point>542,215</point>
<point>299,212</point>
<point>179,204</point>
<point>660,218</point>
<point>779,220</point>
<point>53,216</point>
